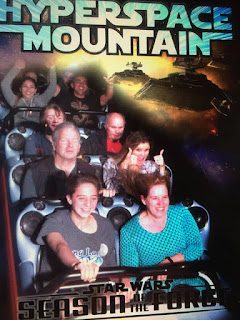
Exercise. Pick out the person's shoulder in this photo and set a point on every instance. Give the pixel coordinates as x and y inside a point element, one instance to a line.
<point>37,137</point>
<point>130,225</point>
<point>103,222</point>
<point>34,135</point>
<point>101,133</point>
<point>45,162</point>
<point>102,219</point>
<point>59,215</point>
<point>36,96</point>
<point>82,164</point>
<point>178,210</point>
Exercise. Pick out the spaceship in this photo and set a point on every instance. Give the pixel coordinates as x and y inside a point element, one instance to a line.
<point>187,90</point>
<point>132,75</point>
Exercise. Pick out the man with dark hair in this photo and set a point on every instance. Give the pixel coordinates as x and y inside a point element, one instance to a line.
<point>47,177</point>
<point>107,141</point>
<point>82,98</point>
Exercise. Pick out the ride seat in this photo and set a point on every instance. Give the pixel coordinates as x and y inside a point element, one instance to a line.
<point>202,218</point>
<point>27,226</point>
<point>14,144</point>
<point>15,175</point>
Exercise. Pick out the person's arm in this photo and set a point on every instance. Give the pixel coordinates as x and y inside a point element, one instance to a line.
<point>194,248</point>
<point>159,160</point>
<point>28,189</point>
<point>57,243</point>
<point>6,84</point>
<point>45,97</point>
<point>110,171</point>
<point>176,258</point>
<point>128,252</point>
<point>193,245</point>
<point>110,240</point>
<point>109,92</point>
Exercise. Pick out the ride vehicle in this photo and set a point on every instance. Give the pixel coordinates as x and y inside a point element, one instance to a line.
<point>106,297</point>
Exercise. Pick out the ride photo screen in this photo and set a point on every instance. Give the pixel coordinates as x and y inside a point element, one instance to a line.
<point>120,159</point>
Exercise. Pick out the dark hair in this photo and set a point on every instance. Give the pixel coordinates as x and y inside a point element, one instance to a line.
<point>30,79</point>
<point>27,71</point>
<point>138,184</point>
<point>19,95</point>
<point>51,106</point>
<point>132,141</point>
<point>76,180</point>
<point>78,74</point>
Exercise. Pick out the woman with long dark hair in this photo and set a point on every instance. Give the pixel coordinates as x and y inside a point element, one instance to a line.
<point>133,156</point>
<point>27,96</point>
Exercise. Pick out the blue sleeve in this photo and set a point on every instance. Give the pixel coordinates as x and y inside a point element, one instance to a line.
<point>128,252</point>
<point>30,147</point>
<point>193,246</point>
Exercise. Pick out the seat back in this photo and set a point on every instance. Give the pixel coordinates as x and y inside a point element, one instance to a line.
<point>95,160</point>
<point>14,144</point>
<point>15,175</point>
<point>118,210</point>
<point>27,227</point>
<point>202,218</point>
<point>171,177</point>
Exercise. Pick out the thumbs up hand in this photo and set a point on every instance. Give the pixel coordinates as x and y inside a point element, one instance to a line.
<point>160,162</point>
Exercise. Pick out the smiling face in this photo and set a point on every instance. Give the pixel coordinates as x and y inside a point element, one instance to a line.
<point>83,201</point>
<point>67,144</point>
<point>28,89</point>
<point>141,152</point>
<point>53,118</point>
<point>157,201</point>
<point>79,86</point>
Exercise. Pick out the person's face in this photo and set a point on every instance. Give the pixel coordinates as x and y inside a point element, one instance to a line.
<point>53,118</point>
<point>67,144</point>
<point>115,127</point>
<point>28,89</point>
<point>157,201</point>
<point>84,200</point>
<point>80,86</point>
<point>141,152</point>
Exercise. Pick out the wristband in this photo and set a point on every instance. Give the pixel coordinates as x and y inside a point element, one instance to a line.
<point>170,259</point>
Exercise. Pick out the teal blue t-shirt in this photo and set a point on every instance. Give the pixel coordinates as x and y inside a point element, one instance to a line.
<point>141,248</point>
